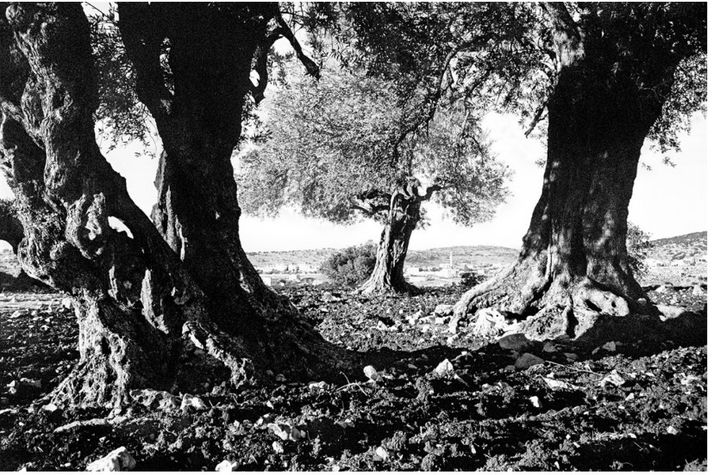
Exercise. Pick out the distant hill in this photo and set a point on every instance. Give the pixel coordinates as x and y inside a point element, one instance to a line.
<point>684,239</point>
<point>473,256</point>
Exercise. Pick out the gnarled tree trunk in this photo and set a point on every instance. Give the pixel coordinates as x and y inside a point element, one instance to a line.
<point>135,299</point>
<point>200,122</point>
<point>573,262</point>
<point>388,273</point>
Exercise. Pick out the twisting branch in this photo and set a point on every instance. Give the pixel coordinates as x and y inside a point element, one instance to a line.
<point>371,202</point>
<point>536,118</point>
<point>277,28</point>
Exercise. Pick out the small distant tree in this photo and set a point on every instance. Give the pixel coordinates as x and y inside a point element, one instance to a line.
<point>350,266</point>
<point>338,150</point>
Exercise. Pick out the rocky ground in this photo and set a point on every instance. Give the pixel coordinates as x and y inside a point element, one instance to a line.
<point>629,395</point>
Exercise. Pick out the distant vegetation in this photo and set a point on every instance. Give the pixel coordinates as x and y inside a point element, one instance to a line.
<point>350,266</point>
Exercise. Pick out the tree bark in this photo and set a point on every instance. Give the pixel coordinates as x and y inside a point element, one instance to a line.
<point>573,262</point>
<point>137,304</point>
<point>200,122</point>
<point>388,273</point>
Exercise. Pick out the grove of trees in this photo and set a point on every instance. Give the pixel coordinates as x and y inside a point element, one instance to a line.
<point>603,77</point>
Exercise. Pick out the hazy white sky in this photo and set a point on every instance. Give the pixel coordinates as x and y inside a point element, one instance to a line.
<point>667,201</point>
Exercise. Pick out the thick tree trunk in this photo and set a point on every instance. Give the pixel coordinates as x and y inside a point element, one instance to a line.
<point>573,262</point>
<point>200,124</point>
<point>388,273</point>
<point>135,300</point>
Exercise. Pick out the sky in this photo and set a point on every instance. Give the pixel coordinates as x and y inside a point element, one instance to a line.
<point>667,201</point>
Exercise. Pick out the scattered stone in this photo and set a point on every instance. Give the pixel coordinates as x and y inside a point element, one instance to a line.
<point>278,447</point>
<point>280,378</point>
<point>556,385</point>
<point>571,357</point>
<point>227,466</point>
<point>286,431</point>
<point>610,346</point>
<point>672,430</point>
<point>663,289</point>
<point>490,323</point>
<point>192,402</point>
<point>117,460</point>
<point>669,312</point>
<point>613,378</point>
<point>698,291</point>
<point>97,422</point>
<point>67,303</point>
<point>413,319</point>
<point>347,423</point>
<point>527,360</point>
<point>514,341</point>
<point>382,453</point>
<point>371,373</point>
<point>549,347</point>
<point>49,407</point>
<point>318,385</point>
<point>443,310</point>
<point>444,369</point>
<point>535,401</point>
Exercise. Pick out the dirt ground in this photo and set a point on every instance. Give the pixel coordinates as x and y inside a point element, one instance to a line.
<point>639,403</point>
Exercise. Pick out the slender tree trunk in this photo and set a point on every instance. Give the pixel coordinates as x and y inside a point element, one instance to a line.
<point>574,261</point>
<point>388,274</point>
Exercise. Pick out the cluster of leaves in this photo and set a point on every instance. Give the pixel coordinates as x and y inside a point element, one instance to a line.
<point>638,246</point>
<point>350,266</point>
<point>329,141</point>
<point>121,117</point>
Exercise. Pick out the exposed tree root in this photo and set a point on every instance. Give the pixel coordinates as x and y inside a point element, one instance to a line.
<point>549,307</point>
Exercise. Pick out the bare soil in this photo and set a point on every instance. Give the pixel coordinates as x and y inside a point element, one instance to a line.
<point>484,414</point>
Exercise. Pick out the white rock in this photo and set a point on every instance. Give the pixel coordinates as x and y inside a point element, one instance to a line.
<point>555,384</point>
<point>535,401</point>
<point>227,466</point>
<point>669,312</point>
<point>117,460</point>
<point>610,346</point>
<point>527,360</point>
<point>371,373</point>
<point>444,369</point>
<point>613,378</point>
<point>286,431</point>
<point>278,447</point>
<point>443,310</point>
<point>382,453</point>
<point>698,291</point>
<point>67,303</point>
<point>192,402</point>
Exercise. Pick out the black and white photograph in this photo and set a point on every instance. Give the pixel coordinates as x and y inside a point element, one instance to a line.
<point>355,236</point>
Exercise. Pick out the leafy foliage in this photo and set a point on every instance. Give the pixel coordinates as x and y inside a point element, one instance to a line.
<point>350,266</point>
<point>331,141</point>
<point>638,248</point>
<point>121,116</point>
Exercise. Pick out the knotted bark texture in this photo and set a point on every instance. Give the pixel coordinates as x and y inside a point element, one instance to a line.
<point>137,303</point>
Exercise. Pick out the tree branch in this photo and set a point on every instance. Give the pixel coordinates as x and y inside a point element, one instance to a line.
<point>142,37</point>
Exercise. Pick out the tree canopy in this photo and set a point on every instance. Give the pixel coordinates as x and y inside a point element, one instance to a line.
<point>328,147</point>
